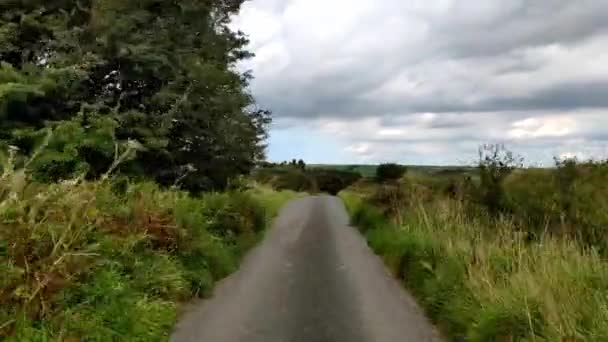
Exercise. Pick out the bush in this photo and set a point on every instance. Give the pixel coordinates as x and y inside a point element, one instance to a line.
<point>532,199</point>
<point>495,164</point>
<point>306,180</point>
<point>479,279</point>
<point>81,260</point>
<point>564,201</point>
<point>284,178</point>
<point>389,172</point>
<point>233,214</point>
<point>333,181</point>
<point>68,149</point>
<point>392,199</point>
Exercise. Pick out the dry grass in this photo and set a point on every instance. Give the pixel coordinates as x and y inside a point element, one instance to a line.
<point>89,261</point>
<point>486,280</point>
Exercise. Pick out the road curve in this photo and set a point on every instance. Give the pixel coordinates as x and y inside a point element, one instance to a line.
<point>312,279</point>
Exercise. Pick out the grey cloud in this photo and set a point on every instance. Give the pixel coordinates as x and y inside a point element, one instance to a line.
<point>565,96</point>
<point>571,95</point>
<point>459,136</point>
<point>341,100</point>
<point>450,123</point>
<point>445,121</point>
<point>502,60</point>
<point>528,23</point>
<point>453,35</point>
<point>560,97</point>
<point>597,136</point>
<point>519,64</point>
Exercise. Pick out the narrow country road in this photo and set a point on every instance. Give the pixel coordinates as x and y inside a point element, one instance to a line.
<point>312,279</point>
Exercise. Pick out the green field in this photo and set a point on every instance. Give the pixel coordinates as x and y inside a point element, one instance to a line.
<point>369,170</point>
<point>364,170</point>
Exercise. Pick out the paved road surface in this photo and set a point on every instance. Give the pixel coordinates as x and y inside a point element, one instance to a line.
<point>312,279</point>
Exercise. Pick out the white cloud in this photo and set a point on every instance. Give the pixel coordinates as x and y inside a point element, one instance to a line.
<point>360,148</point>
<point>539,127</point>
<point>429,80</point>
<point>390,132</point>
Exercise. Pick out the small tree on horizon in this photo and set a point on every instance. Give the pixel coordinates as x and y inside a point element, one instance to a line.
<point>496,162</point>
<point>389,172</point>
<point>301,164</point>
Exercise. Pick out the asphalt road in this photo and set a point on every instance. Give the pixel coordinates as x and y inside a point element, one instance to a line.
<point>312,279</point>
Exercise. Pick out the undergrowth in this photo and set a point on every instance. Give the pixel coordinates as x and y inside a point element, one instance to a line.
<point>486,280</point>
<point>111,261</point>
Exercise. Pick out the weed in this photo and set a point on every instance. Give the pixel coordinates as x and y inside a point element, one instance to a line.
<point>482,279</point>
<point>82,261</point>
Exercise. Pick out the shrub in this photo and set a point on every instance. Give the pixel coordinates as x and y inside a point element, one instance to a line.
<point>306,180</point>
<point>81,260</point>
<point>479,279</point>
<point>565,201</point>
<point>566,174</point>
<point>301,164</point>
<point>391,198</point>
<point>389,172</point>
<point>68,149</point>
<point>495,164</point>
<point>284,178</point>
<point>532,199</point>
<point>233,214</point>
<point>333,181</point>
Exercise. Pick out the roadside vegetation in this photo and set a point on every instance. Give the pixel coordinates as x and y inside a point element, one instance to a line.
<point>510,254</point>
<point>126,138</point>
<point>363,170</point>
<point>296,176</point>
<point>108,261</point>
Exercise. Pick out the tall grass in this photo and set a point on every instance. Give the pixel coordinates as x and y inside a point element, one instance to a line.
<point>111,261</point>
<point>486,280</point>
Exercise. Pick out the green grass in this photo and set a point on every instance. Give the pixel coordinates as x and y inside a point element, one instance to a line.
<point>99,262</point>
<point>369,170</point>
<point>272,200</point>
<point>485,281</point>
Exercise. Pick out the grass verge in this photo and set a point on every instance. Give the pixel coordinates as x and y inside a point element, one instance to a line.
<point>97,261</point>
<point>489,283</point>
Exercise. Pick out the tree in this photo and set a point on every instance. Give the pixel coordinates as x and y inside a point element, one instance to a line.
<point>495,164</point>
<point>163,70</point>
<point>38,79</point>
<point>301,164</point>
<point>333,181</point>
<point>389,172</point>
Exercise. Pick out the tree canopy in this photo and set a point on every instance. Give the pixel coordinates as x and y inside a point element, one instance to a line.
<point>160,72</point>
<point>389,172</point>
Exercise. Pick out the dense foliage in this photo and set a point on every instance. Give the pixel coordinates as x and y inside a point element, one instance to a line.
<point>158,72</point>
<point>495,165</point>
<point>333,181</point>
<point>105,262</point>
<point>107,108</point>
<point>502,254</point>
<point>297,178</point>
<point>389,172</point>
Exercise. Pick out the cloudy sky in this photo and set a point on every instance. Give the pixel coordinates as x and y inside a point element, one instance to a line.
<point>427,81</point>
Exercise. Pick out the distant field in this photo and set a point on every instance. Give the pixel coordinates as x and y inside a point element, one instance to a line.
<point>369,170</point>
<point>364,170</point>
